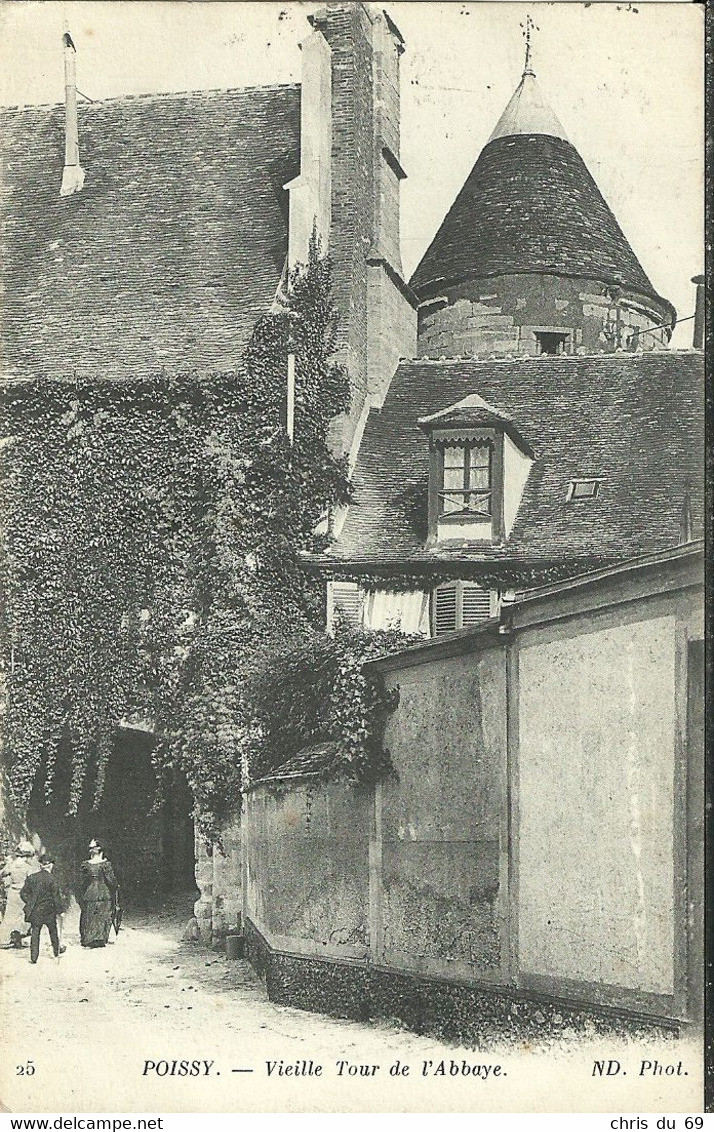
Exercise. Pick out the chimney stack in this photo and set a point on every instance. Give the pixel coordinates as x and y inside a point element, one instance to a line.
<point>73,173</point>
<point>698,340</point>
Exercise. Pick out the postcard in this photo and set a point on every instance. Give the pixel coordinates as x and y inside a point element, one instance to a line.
<point>352,625</point>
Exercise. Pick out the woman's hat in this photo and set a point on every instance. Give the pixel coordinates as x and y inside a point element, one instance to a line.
<point>26,849</point>
<point>93,844</point>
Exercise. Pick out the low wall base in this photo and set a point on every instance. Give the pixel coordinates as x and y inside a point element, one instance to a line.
<point>472,1016</point>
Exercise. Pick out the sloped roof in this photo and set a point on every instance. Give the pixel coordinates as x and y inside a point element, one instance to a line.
<point>465,409</point>
<point>473,412</point>
<point>321,760</point>
<point>173,248</point>
<point>633,421</point>
<point>530,206</point>
<point>528,112</point>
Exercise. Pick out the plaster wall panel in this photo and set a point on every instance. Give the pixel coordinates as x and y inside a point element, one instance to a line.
<point>596,722</point>
<point>307,866</point>
<point>441,818</point>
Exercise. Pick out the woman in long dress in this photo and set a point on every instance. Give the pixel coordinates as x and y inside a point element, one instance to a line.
<point>99,898</point>
<point>14,875</point>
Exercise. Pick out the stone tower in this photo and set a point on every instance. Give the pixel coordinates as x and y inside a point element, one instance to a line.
<point>530,259</point>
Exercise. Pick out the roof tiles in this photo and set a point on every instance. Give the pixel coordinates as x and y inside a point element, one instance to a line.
<point>633,421</point>
<point>530,205</point>
<point>171,251</point>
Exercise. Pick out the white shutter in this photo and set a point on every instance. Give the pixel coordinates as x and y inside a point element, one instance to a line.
<point>346,603</point>
<point>476,605</point>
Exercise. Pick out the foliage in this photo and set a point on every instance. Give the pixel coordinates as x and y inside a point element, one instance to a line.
<point>313,689</point>
<point>153,532</point>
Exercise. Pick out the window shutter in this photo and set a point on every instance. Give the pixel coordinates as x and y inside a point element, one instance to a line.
<point>347,603</point>
<point>476,605</point>
<point>444,610</point>
<point>460,605</point>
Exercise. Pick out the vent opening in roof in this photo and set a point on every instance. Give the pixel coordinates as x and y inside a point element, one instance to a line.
<point>582,489</point>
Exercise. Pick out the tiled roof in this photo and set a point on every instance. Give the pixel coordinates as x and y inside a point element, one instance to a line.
<point>530,205</point>
<point>473,412</point>
<point>320,760</point>
<point>633,421</point>
<point>528,112</point>
<point>173,248</point>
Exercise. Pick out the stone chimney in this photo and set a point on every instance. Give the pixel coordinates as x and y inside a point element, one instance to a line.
<point>377,310</point>
<point>699,316</point>
<point>311,191</point>
<point>73,173</point>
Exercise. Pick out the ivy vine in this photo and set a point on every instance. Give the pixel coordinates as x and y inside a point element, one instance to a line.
<point>154,531</point>
<point>313,689</point>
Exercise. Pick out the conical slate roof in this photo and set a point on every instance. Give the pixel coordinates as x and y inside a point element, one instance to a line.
<point>530,206</point>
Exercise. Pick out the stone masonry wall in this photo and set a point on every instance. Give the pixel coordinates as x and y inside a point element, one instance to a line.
<point>501,315</point>
<point>472,1016</point>
<point>347,30</point>
<point>392,332</point>
<point>219,879</point>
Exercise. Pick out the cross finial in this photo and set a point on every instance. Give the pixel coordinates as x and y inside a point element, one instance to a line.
<point>526,29</point>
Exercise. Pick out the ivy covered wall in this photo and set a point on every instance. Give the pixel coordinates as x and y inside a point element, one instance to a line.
<point>152,532</point>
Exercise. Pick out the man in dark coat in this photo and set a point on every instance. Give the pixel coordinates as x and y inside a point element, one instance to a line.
<point>43,903</point>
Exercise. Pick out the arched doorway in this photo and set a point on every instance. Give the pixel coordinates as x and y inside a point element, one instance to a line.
<point>150,843</point>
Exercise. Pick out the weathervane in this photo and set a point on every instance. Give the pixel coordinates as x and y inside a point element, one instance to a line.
<point>526,29</point>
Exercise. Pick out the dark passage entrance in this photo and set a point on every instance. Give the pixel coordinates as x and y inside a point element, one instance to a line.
<point>150,846</point>
<point>152,851</point>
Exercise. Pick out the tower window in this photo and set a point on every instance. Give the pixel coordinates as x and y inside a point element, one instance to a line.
<point>550,342</point>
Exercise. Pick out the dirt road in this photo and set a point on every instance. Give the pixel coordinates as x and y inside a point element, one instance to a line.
<point>99,1027</point>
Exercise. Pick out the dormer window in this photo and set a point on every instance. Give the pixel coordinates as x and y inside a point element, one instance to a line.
<point>467,479</point>
<point>466,485</point>
<point>479,465</point>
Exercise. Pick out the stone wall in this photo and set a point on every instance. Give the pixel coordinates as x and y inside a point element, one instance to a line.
<point>391,330</point>
<point>502,315</point>
<point>219,879</point>
<point>307,881</point>
<point>596,850</point>
<point>443,875</point>
<point>475,1016</point>
<point>535,834</point>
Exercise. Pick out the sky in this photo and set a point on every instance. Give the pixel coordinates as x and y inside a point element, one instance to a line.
<point>626,81</point>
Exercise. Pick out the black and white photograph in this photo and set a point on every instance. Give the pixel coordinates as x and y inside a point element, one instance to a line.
<point>352,518</point>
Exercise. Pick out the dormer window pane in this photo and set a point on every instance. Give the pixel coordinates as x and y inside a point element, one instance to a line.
<point>467,479</point>
<point>454,467</point>
<point>480,459</point>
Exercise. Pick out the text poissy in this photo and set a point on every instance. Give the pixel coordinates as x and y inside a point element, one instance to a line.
<point>178,1068</point>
